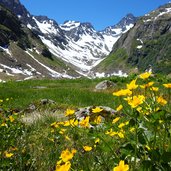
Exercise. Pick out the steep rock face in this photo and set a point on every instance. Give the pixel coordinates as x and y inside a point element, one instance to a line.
<point>17,8</point>
<point>10,29</point>
<point>22,53</point>
<point>146,46</point>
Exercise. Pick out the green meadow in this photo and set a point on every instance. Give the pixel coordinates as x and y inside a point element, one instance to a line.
<point>75,92</point>
<point>52,138</point>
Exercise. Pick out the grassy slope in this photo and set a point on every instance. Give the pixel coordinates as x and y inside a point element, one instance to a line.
<point>114,62</point>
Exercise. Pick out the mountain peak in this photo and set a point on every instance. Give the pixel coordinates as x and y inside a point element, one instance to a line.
<point>122,26</point>
<point>127,20</point>
<point>15,6</point>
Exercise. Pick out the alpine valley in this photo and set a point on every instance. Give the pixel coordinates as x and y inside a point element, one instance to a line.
<point>36,46</point>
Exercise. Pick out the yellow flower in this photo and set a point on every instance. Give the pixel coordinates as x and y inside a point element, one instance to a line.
<point>115,120</point>
<point>148,148</point>
<point>4,124</point>
<point>139,109</point>
<point>111,133</point>
<point>149,84</point>
<point>65,167</point>
<point>62,131</point>
<point>132,85</point>
<point>69,112</point>
<point>135,101</point>
<point>123,92</point>
<point>52,131</point>
<point>167,85</point>
<point>97,110</point>
<point>8,155</point>
<point>127,122</point>
<point>67,138</point>
<point>154,88</point>
<point>161,101</point>
<point>54,124</point>
<point>66,155</point>
<point>121,125</point>
<point>120,107</point>
<point>66,123</point>
<point>121,167</point>
<point>71,122</point>
<point>87,148</point>
<point>1,101</point>
<point>98,120</point>
<point>132,129</point>
<point>160,121</point>
<point>74,151</point>
<point>97,140</point>
<point>145,75</point>
<point>85,122</point>
<point>120,134</point>
<point>11,119</point>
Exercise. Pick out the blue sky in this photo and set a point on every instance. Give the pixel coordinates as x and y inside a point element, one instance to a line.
<point>101,13</point>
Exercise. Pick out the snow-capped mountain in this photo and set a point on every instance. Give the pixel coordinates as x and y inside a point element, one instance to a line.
<point>78,44</point>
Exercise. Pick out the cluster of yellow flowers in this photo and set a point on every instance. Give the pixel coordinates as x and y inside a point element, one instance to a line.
<point>135,98</point>
<point>64,163</point>
<point>10,118</point>
<point>135,101</point>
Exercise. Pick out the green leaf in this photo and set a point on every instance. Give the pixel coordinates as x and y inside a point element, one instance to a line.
<point>141,138</point>
<point>132,122</point>
<point>166,157</point>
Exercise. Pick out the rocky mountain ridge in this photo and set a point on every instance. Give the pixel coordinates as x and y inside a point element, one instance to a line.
<point>147,46</point>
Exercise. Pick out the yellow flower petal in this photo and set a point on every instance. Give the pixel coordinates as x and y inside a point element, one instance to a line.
<point>145,75</point>
<point>115,120</point>
<point>123,92</point>
<point>87,148</point>
<point>132,85</point>
<point>120,107</point>
<point>161,101</point>
<point>65,167</point>
<point>121,167</point>
<point>168,85</point>
<point>69,112</point>
<point>8,155</point>
<point>97,110</point>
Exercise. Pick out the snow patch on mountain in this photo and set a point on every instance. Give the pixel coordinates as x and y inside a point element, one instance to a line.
<point>120,73</point>
<point>68,25</point>
<point>51,72</point>
<point>15,70</point>
<point>6,50</point>
<point>46,27</point>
